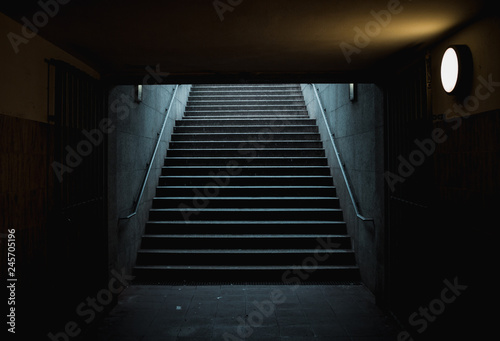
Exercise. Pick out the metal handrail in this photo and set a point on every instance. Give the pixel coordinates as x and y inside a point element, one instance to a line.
<point>138,201</point>
<point>356,210</point>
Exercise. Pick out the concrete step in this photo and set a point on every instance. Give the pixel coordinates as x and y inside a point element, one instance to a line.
<point>283,152</point>
<point>245,93</point>
<point>246,129</point>
<point>246,107</point>
<point>250,214</point>
<point>245,96</point>
<point>264,85</point>
<point>287,274</point>
<point>227,180</point>
<point>245,227</point>
<point>244,241</point>
<point>262,136</point>
<point>257,144</point>
<point>245,122</point>
<point>241,116</point>
<point>259,100</point>
<point>235,168</point>
<point>234,257</point>
<point>239,112</point>
<point>246,191</point>
<point>250,160</point>
<point>244,87</point>
<point>202,201</point>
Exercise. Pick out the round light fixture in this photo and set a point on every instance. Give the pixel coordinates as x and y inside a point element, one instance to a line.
<point>449,70</point>
<point>456,69</point>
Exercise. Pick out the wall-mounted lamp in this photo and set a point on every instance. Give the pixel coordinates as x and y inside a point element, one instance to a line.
<point>138,93</point>
<point>352,92</point>
<point>456,70</point>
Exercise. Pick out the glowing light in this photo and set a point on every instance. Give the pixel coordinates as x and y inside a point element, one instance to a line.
<point>450,69</point>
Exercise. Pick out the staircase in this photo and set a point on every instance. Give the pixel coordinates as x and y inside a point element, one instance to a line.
<point>246,194</point>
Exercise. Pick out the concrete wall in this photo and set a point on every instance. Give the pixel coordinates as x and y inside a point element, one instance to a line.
<point>358,131</point>
<point>130,149</point>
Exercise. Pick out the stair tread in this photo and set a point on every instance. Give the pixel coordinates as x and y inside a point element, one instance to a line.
<point>247,209</point>
<point>241,157</point>
<point>246,267</point>
<point>245,236</point>
<point>243,166</point>
<point>209,87</point>
<point>274,111</point>
<point>260,133</point>
<point>245,103</point>
<point>245,149</point>
<point>251,95</point>
<point>244,251</point>
<point>263,126</point>
<point>299,144</point>
<point>248,141</point>
<point>249,100</point>
<point>246,198</point>
<point>248,176</point>
<point>242,118</point>
<point>251,187</point>
<point>251,86</point>
<point>244,222</point>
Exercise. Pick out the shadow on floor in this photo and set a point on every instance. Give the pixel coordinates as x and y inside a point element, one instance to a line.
<point>245,312</point>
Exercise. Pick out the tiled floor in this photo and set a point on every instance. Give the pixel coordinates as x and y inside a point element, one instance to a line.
<point>245,312</point>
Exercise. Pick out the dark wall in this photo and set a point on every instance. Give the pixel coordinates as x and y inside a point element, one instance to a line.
<point>440,220</point>
<point>24,186</point>
<point>52,196</point>
<point>442,180</point>
<point>25,197</point>
<point>53,263</point>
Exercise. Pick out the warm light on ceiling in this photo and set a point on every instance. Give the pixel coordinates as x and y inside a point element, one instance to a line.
<point>449,70</point>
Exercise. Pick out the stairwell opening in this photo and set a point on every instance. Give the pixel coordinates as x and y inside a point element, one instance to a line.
<point>246,194</point>
<point>244,197</point>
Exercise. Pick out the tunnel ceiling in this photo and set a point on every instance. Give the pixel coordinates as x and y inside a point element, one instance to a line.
<point>246,40</point>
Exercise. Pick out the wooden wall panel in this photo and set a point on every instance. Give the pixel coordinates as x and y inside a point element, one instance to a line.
<point>24,191</point>
<point>467,168</point>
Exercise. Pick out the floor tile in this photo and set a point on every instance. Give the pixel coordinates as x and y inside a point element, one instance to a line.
<point>319,316</point>
<point>233,312</point>
<point>303,330</point>
<point>332,328</point>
